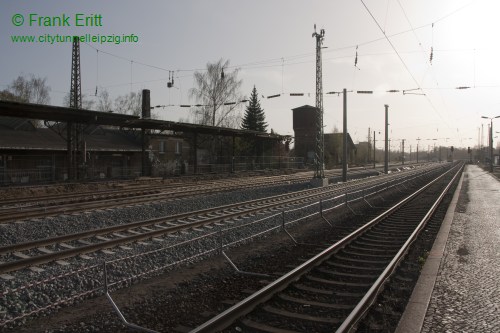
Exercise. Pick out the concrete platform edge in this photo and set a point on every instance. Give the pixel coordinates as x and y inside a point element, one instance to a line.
<point>414,315</point>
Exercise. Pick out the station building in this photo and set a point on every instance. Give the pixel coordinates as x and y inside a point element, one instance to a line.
<point>38,144</point>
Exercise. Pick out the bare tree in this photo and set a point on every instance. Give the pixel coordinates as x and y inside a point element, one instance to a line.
<point>104,103</point>
<point>28,90</point>
<point>130,103</point>
<point>216,89</point>
<point>6,95</point>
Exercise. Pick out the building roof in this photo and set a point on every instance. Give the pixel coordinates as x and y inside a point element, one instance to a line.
<point>60,113</point>
<point>339,137</point>
<point>305,107</point>
<point>65,114</point>
<point>200,129</point>
<point>109,140</point>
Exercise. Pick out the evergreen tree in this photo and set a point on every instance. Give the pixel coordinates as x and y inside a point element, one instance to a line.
<point>254,118</point>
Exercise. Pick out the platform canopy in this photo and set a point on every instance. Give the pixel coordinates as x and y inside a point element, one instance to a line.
<point>163,125</point>
<point>66,114</point>
<point>62,114</point>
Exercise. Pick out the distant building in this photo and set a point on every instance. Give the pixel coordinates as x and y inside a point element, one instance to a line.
<point>29,154</point>
<point>304,127</point>
<point>169,154</point>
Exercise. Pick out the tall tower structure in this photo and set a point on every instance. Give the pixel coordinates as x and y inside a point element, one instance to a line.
<point>74,136</point>
<point>75,99</point>
<point>319,171</point>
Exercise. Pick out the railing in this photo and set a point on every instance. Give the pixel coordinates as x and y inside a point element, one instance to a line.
<point>58,172</point>
<point>50,175</point>
<point>88,281</point>
<point>250,163</point>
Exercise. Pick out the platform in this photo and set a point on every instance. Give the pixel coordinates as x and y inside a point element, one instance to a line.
<point>459,287</point>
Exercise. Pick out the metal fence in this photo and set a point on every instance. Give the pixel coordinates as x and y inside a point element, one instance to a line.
<point>47,169</point>
<point>53,174</point>
<point>121,272</point>
<point>250,163</point>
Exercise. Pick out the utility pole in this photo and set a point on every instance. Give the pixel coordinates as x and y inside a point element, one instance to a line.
<point>386,159</point>
<point>319,172</point>
<point>374,149</point>
<point>491,146</point>
<point>344,143</point>
<point>369,148</point>
<point>146,114</point>
<point>490,137</point>
<point>418,142</point>
<point>403,149</point>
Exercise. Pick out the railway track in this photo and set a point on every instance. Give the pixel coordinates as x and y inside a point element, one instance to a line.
<point>41,251</point>
<point>334,289</point>
<point>36,207</point>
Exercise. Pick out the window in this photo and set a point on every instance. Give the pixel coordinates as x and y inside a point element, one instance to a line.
<point>161,148</point>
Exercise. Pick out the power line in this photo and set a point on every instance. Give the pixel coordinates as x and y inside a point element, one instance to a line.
<point>404,64</point>
<point>282,61</point>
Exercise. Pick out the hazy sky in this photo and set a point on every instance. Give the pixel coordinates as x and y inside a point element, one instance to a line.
<point>271,43</point>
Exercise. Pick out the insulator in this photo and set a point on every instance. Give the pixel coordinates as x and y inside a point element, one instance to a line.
<point>273,96</point>
<point>296,94</point>
<point>356,59</point>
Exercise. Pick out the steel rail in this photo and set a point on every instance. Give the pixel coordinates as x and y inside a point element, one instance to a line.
<point>88,196</point>
<point>365,303</point>
<point>255,206</point>
<point>73,207</point>
<point>123,227</point>
<point>145,188</point>
<point>117,199</point>
<point>244,307</point>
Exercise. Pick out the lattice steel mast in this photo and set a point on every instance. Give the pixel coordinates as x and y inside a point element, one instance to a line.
<point>76,153</point>
<point>319,171</point>
<point>75,99</point>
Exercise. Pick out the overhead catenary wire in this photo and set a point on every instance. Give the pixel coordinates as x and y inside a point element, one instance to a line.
<point>404,63</point>
<point>283,60</point>
<point>289,61</point>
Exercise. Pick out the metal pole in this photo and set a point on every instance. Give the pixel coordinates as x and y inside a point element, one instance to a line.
<point>69,140</point>
<point>232,160</point>
<point>491,145</point>
<point>344,143</point>
<point>417,152</point>
<point>374,149</point>
<point>403,158</point>
<point>386,158</point>
<point>143,152</point>
<point>195,145</point>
